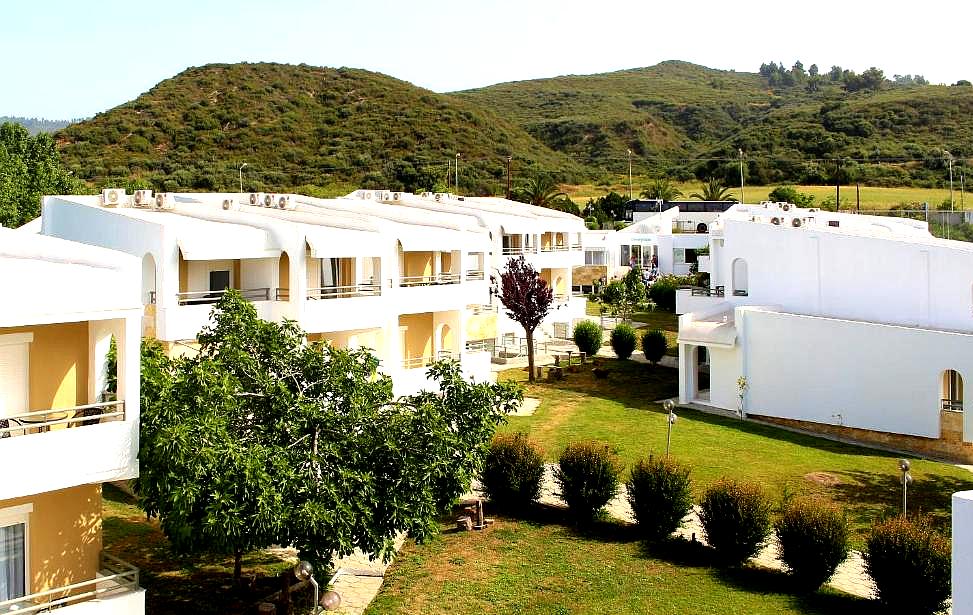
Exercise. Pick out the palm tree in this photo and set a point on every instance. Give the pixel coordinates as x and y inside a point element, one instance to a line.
<point>713,190</point>
<point>661,189</point>
<point>541,191</point>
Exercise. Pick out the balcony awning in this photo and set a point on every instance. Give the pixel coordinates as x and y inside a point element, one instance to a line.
<point>328,242</point>
<point>708,333</point>
<point>415,238</point>
<point>232,242</point>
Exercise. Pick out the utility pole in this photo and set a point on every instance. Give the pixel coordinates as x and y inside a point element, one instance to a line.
<point>858,198</point>
<point>508,176</point>
<point>457,172</point>
<point>962,189</point>
<point>630,175</point>
<point>743,199</point>
<point>449,168</point>
<point>837,184</point>
<point>949,161</point>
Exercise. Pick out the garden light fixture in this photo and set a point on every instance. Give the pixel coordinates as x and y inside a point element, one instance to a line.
<point>904,466</point>
<point>669,405</point>
<point>305,572</point>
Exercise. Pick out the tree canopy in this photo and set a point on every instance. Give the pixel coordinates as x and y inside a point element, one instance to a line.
<point>264,438</point>
<point>29,168</point>
<point>527,298</point>
<point>661,189</point>
<point>713,190</point>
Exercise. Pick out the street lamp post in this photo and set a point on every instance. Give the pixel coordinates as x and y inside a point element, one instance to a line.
<point>742,198</point>
<point>906,479</point>
<point>668,405</point>
<point>241,177</point>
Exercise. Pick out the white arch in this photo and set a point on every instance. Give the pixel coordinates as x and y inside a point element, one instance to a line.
<point>741,283</point>
<point>148,279</point>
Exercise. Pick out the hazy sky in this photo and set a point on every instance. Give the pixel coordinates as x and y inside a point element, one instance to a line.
<point>68,59</point>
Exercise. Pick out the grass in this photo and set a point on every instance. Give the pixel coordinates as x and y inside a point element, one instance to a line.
<point>872,197</point>
<point>177,585</point>
<point>542,565</point>
<point>621,410</point>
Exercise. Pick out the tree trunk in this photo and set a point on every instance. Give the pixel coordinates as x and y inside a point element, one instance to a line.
<point>237,566</point>
<point>530,356</point>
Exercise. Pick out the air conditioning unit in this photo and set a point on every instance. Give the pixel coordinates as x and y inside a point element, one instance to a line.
<point>775,220</point>
<point>365,194</point>
<point>284,202</point>
<point>797,222</point>
<point>165,200</point>
<point>426,195</point>
<point>813,209</point>
<point>439,197</point>
<point>386,196</point>
<point>142,198</point>
<point>270,200</point>
<point>229,204</point>
<point>113,197</point>
<point>396,196</point>
<point>256,199</point>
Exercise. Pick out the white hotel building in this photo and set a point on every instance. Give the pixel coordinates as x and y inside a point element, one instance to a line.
<point>407,276</point>
<point>61,433</point>
<point>857,325</point>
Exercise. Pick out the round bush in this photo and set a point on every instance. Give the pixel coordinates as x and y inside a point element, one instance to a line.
<point>910,564</point>
<point>660,494</point>
<point>512,471</point>
<point>654,345</point>
<point>813,540</point>
<point>663,292</point>
<point>588,337</point>
<point>736,519</point>
<point>623,340</point>
<point>587,476</point>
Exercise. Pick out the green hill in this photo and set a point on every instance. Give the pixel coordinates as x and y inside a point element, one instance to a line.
<point>299,126</point>
<point>687,120</point>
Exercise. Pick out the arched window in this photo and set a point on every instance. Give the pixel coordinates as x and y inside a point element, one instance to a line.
<point>952,391</point>
<point>740,284</point>
<point>148,279</point>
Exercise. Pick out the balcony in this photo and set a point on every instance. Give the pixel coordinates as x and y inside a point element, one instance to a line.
<point>344,292</point>
<point>116,585</point>
<point>429,280</point>
<point>517,250</point>
<point>952,405</point>
<point>693,299</point>
<point>475,274</point>
<point>42,421</point>
<point>201,297</point>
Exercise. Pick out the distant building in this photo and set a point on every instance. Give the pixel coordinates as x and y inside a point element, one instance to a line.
<point>693,213</point>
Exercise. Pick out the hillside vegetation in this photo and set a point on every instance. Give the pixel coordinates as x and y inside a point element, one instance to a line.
<point>299,126</point>
<point>325,130</point>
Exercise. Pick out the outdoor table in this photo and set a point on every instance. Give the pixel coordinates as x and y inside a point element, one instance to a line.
<point>38,419</point>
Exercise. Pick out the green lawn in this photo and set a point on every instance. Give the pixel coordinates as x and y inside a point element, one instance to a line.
<point>667,322</point>
<point>621,411</point>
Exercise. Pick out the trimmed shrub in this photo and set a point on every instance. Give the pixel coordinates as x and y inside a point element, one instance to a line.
<point>910,564</point>
<point>736,519</point>
<point>512,471</point>
<point>654,345</point>
<point>588,337</point>
<point>663,292</point>
<point>813,540</point>
<point>623,340</point>
<point>587,476</point>
<point>660,494</point>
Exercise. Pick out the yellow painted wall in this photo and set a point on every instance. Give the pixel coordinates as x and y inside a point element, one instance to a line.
<point>546,276</point>
<point>363,338</point>
<point>58,364</point>
<point>481,326</point>
<point>65,535</point>
<point>417,340</point>
<point>546,240</point>
<point>446,338</point>
<point>235,282</point>
<point>416,264</point>
<point>183,274</point>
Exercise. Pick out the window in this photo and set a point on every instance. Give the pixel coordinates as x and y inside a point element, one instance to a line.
<point>624,255</point>
<point>691,255</point>
<point>219,280</point>
<point>595,257</point>
<point>740,282</point>
<point>13,551</point>
<point>14,380</point>
<point>679,256</point>
<point>833,223</point>
<point>952,391</point>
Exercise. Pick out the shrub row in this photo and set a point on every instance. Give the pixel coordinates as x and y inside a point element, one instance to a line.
<point>812,536</point>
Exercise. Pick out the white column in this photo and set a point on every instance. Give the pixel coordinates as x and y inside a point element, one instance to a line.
<point>687,376</point>
<point>962,553</point>
<point>99,342</point>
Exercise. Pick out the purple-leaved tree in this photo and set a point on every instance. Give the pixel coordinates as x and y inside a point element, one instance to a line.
<point>527,298</point>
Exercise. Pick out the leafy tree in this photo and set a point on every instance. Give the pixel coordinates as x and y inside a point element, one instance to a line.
<point>661,189</point>
<point>527,298</point>
<point>263,438</point>
<point>790,194</point>
<point>29,168</point>
<point>541,191</point>
<point>713,190</point>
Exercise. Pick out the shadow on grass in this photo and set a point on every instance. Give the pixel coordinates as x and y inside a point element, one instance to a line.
<point>604,529</point>
<point>755,579</point>
<point>929,494</point>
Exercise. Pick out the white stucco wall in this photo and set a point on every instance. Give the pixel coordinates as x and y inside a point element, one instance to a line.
<point>962,553</point>
<point>879,377</point>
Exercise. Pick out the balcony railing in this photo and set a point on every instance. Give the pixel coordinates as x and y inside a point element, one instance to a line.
<point>427,360</point>
<point>719,291</point>
<point>200,297</point>
<point>952,405</point>
<point>478,309</point>
<point>114,577</point>
<point>561,298</point>
<point>430,280</point>
<point>344,292</point>
<point>515,250</point>
<point>555,248</point>
<point>78,416</point>
<point>475,274</point>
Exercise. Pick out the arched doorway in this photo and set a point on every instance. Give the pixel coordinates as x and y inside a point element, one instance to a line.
<point>951,406</point>
<point>741,286</point>
<point>283,277</point>
<point>445,340</point>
